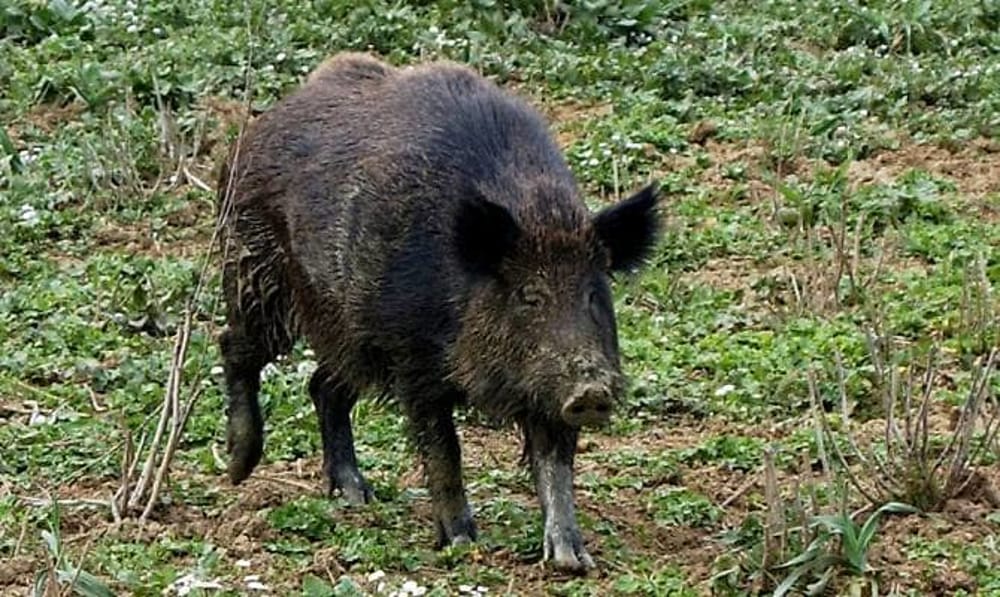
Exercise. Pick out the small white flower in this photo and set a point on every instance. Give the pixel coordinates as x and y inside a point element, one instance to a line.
<point>724,390</point>
<point>269,370</point>
<point>377,575</point>
<point>37,418</point>
<point>412,588</point>
<point>239,563</point>
<point>189,582</point>
<point>28,215</point>
<point>216,371</point>
<point>305,367</point>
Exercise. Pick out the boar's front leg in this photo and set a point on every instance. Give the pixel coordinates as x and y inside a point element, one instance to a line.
<point>550,447</point>
<point>334,400</point>
<point>430,414</point>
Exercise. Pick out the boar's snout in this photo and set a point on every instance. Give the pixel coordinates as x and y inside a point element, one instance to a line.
<point>588,405</point>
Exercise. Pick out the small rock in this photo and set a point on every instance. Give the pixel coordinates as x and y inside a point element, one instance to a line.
<point>702,132</point>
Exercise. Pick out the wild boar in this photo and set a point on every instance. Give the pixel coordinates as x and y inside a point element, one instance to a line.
<point>421,229</point>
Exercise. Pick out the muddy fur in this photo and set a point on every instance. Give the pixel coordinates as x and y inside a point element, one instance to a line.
<point>420,229</point>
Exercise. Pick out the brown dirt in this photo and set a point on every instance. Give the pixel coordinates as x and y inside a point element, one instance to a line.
<point>49,117</point>
<point>568,117</point>
<point>238,527</point>
<point>974,169</point>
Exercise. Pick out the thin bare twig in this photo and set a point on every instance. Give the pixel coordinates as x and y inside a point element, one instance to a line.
<point>880,480</point>
<point>83,556</point>
<point>171,404</point>
<point>64,503</point>
<point>841,457</point>
<point>775,512</point>
<point>740,491</point>
<point>290,482</point>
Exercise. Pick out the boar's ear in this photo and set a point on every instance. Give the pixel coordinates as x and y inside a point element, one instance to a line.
<point>629,229</point>
<point>484,233</point>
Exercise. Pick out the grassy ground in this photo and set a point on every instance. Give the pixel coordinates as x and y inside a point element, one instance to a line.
<point>830,166</point>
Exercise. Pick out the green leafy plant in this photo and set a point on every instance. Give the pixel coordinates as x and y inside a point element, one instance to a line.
<point>820,559</point>
<point>61,574</point>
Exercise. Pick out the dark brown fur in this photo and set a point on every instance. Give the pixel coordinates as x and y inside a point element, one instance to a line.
<point>422,231</point>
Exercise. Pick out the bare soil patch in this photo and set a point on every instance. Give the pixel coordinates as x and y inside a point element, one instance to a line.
<point>49,117</point>
<point>240,529</point>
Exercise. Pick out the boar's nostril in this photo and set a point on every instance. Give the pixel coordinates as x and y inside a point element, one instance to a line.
<point>578,409</point>
<point>603,407</point>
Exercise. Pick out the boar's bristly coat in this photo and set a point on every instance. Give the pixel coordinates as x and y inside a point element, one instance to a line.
<point>422,231</point>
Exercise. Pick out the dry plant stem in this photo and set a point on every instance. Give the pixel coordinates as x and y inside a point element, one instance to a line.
<point>893,436</point>
<point>992,424</point>
<point>967,417</point>
<point>289,482</point>
<point>20,537</point>
<point>971,413</point>
<point>839,237</point>
<point>854,270</point>
<point>775,519</point>
<point>923,426</point>
<point>818,415</point>
<point>128,462</point>
<point>740,491</point>
<point>172,404</point>
<point>841,458</point>
<point>65,503</point>
<point>908,406</point>
<point>191,178</point>
<point>881,480</point>
<point>889,407</point>
<point>154,447</point>
<point>83,556</point>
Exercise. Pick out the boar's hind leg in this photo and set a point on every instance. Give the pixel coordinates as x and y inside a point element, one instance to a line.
<point>243,358</point>
<point>430,416</point>
<point>334,400</point>
<point>551,448</point>
<point>256,333</point>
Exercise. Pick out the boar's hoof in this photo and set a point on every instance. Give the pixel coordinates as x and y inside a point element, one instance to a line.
<point>242,463</point>
<point>567,553</point>
<point>245,450</point>
<point>357,495</point>
<point>458,531</point>
<point>352,487</point>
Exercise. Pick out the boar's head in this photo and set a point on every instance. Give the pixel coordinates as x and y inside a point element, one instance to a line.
<point>538,335</point>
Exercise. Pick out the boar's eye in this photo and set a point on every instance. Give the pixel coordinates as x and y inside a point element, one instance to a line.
<point>594,304</point>
<point>597,302</point>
